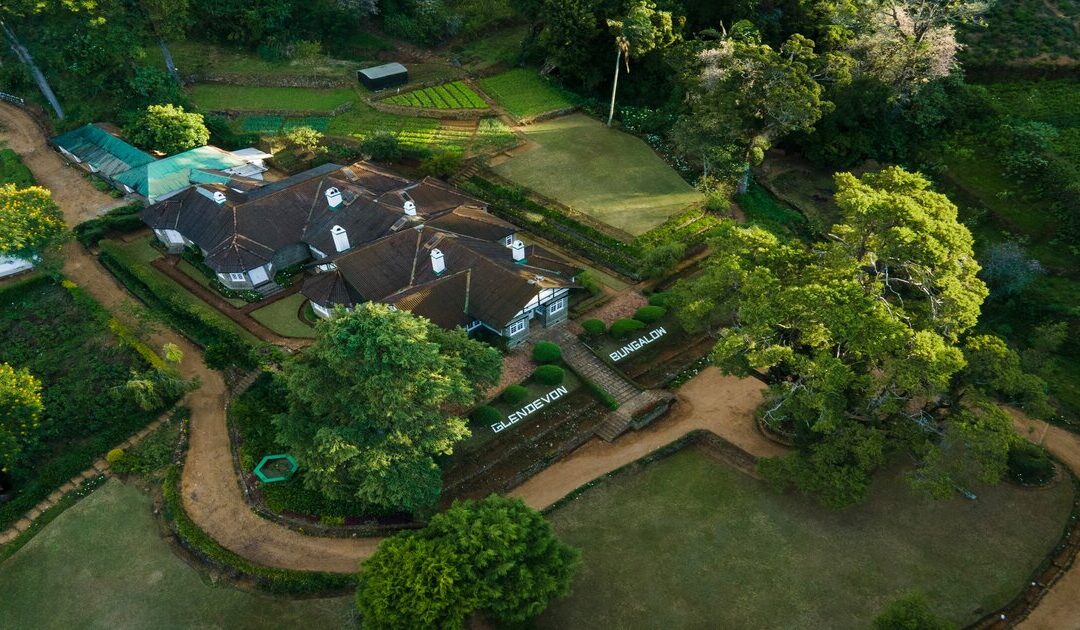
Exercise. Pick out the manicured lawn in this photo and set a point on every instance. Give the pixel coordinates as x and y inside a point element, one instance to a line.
<point>689,542</point>
<point>281,317</point>
<point>605,173</point>
<point>524,93</point>
<point>456,95</point>
<point>103,564</point>
<point>215,97</point>
<point>64,339</point>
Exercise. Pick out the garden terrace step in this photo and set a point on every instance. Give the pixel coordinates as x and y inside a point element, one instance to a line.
<point>270,288</point>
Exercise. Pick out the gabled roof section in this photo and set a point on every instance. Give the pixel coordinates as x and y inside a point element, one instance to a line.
<point>159,179</point>
<point>108,154</point>
<point>385,70</point>
<point>475,222</point>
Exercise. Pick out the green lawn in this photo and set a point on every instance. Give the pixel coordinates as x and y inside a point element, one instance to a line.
<point>612,176</point>
<point>689,542</point>
<point>216,97</point>
<point>281,317</point>
<point>524,93</point>
<point>13,171</point>
<point>103,564</point>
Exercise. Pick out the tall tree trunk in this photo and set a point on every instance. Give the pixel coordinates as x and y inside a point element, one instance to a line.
<point>169,65</point>
<point>744,181</point>
<point>24,56</point>
<point>614,87</point>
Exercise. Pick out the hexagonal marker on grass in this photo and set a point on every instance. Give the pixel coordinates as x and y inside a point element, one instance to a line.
<point>274,468</point>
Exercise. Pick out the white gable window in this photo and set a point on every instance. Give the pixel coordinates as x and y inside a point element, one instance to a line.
<point>237,277</point>
<point>341,239</point>
<point>517,327</point>
<point>174,237</point>
<point>557,306</point>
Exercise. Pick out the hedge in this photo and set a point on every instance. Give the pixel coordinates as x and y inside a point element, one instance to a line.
<point>547,352</point>
<point>122,220</point>
<point>623,327</point>
<point>549,374</point>
<point>660,298</point>
<point>197,321</point>
<point>594,327</point>
<point>1030,464</point>
<point>514,394</point>
<point>271,579</point>
<point>486,415</point>
<point>650,314</point>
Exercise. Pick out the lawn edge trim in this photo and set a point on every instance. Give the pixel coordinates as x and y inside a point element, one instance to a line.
<point>84,489</point>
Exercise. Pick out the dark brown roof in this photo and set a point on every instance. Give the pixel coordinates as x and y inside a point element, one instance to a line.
<point>330,288</point>
<point>475,222</point>
<point>399,265</point>
<point>444,301</point>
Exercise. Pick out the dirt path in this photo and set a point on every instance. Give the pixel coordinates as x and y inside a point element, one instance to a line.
<point>710,401</point>
<point>78,199</point>
<point>1060,608</point>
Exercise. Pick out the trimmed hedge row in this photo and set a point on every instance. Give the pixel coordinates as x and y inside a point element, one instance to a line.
<point>196,321</point>
<point>209,550</point>
<point>122,220</point>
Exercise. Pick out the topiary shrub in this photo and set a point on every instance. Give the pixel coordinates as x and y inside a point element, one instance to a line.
<point>486,415</point>
<point>549,374</point>
<point>661,298</point>
<point>650,314</point>
<point>114,455</point>
<point>1030,464</point>
<point>623,327</point>
<point>594,327</point>
<point>514,394</point>
<point>547,352</point>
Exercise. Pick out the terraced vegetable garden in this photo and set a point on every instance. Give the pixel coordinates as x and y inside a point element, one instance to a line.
<point>456,95</point>
<point>524,93</point>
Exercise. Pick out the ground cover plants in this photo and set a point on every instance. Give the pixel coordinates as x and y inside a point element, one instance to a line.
<point>524,93</point>
<point>13,171</point>
<point>456,95</point>
<point>221,97</point>
<point>64,339</point>
<point>137,581</point>
<point>705,532</point>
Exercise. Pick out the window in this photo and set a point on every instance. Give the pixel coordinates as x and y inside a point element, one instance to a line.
<point>517,327</point>
<point>237,277</point>
<point>509,240</point>
<point>557,306</point>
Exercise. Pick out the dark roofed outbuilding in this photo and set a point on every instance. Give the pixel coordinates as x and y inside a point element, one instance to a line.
<point>384,76</point>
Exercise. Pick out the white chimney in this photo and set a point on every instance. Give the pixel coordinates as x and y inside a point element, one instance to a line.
<point>410,208</point>
<point>438,265</point>
<point>341,239</point>
<point>216,196</point>
<point>333,197</point>
<point>518,251</point>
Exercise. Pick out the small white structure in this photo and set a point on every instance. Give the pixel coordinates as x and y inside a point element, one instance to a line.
<point>438,261</point>
<point>255,163</point>
<point>9,266</point>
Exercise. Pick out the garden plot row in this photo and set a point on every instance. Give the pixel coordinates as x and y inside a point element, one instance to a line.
<point>273,125</point>
<point>454,95</point>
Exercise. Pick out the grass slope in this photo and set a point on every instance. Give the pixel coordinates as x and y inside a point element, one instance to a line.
<point>104,564</point>
<point>215,97</point>
<point>605,173</point>
<point>281,317</point>
<point>691,543</point>
<point>524,93</point>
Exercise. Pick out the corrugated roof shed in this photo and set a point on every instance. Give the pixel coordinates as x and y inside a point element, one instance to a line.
<point>385,70</point>
<point>108,154</point>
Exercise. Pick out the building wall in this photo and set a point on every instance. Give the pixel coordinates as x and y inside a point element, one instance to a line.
<point>244,280</point>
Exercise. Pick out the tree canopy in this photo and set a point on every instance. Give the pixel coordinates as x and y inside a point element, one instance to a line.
<point>375,399</point>
<point>20,408</point>
<point>864,340</point>
<point>169,129</point>
<point>497,556</point>
<point>30,221</point>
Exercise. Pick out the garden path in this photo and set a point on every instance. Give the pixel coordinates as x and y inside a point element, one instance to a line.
<point>211,491</point>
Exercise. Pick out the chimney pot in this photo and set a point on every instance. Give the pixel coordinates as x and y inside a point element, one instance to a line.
<point>410,208</point>
<point>438,263</point>
<point>333,196</point>
<point>517,250</point>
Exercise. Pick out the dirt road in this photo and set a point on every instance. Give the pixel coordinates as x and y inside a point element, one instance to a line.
<point>78,199</point>
<point>1060,608</point>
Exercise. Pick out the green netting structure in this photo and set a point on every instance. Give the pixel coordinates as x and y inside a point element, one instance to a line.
<point>110,155</point>
<point>275,468</point>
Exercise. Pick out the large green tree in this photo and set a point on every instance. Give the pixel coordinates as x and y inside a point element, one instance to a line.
<point>496,556</point>
<point>374,400</point>
<point>30,221</point>
<point>863,340</point>
<point>642,30</point>
<point>20,408</point>
<point>747,95</point>
<point>169,129</point>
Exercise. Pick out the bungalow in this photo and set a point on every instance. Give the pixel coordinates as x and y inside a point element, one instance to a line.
<point>136,172</point>
<point>372,235</point>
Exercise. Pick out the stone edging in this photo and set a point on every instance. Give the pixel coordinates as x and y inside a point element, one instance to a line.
<point>100,468</point>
